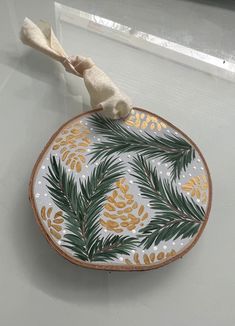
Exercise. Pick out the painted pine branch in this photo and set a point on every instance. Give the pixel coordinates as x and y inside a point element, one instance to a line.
<point>111,246</point>
<point>175,216</point>
<point>82,210</point>
<point>172,149</point>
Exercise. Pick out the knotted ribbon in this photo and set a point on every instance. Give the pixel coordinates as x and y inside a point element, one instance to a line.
<point>103,92</point>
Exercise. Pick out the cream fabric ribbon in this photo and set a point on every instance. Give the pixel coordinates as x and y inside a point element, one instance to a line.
<point>103,92</point>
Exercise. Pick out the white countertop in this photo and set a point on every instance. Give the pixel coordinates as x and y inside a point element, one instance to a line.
<point>38,287</point>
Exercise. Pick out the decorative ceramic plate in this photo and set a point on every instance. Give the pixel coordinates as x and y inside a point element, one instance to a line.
<point>121,195</point>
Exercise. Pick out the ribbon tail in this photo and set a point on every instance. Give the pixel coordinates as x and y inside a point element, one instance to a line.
<point>42,38</point>
<point>103,92</point>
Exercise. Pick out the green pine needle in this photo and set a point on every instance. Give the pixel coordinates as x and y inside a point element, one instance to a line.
<point>82,210</point>
<point>111,246</point>
<point>176,216</point>
<point>174,150</point>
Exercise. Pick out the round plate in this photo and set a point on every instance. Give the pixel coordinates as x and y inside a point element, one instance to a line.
<point>121,195</point>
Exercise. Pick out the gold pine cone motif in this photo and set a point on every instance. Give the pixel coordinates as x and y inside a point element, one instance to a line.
<point>197,187</point>
<point>144,120</point>
<point>53,222</point>
<point>73,143</point>
<point>148,259</point>
<point>122,212</point>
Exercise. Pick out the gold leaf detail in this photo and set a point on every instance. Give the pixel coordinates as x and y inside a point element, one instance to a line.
<point>144,121</point>
<point>152,257</point>
<point>53,223</point>
<point>43,213</point>
<point>197,187</point>
<point>55,234</point>
<point>122,208</point>
<point>161,255</point>
<point>49,212</point>
<point>148,259</point>
<point>136,258</point>
<point>72,143</point>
